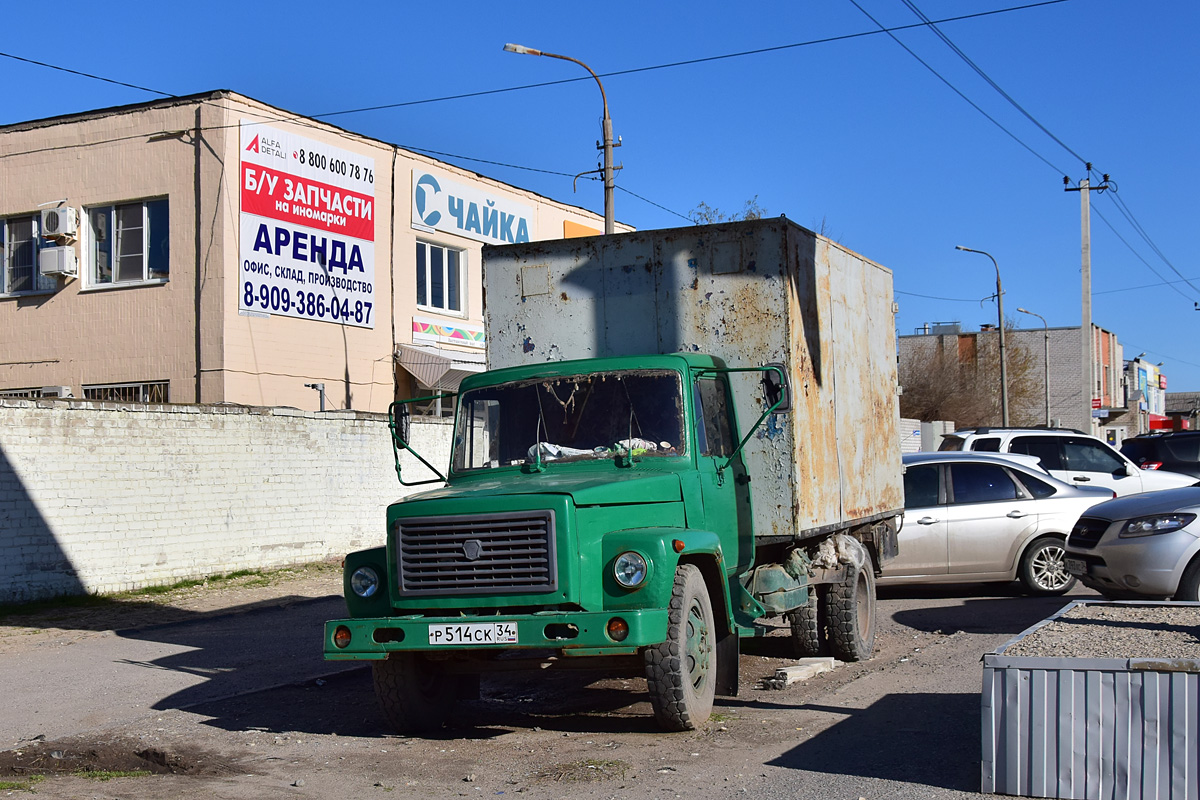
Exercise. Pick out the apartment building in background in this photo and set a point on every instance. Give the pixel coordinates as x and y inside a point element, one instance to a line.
<point>215,249</point>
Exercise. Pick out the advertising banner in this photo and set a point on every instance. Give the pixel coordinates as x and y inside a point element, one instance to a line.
<point>444,205</point>
<point>307,239</point>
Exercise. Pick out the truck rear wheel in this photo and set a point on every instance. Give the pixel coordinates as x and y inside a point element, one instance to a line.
<point>850,613</point>
<point>681,672</point>
<point>415,695</point>
<point>808,629</point>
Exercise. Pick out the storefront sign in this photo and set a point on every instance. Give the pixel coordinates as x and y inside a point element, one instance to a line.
<point>307,244</point>
<point>440,204</point>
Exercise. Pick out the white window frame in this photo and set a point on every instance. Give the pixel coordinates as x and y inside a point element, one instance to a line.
<point>90,243</point>
<point>427,305</point>
<point>41,285</point>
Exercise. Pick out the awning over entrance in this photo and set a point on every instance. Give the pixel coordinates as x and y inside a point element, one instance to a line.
<point>1158,422</point>
<point>439,367</point>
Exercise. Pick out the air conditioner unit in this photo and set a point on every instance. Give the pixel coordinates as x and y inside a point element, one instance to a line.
<point>56,391</point>
<point>61,221</point>
<point>57,261</point>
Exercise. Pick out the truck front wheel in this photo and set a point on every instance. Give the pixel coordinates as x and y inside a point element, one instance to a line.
<point>681,672</point>
<point>416,696</point>
<point>850,613</point>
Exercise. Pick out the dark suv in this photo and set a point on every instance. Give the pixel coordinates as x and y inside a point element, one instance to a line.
<point>1177,451</point>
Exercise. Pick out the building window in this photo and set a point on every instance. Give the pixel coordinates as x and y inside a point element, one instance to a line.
<point>130,243</point>
<point>440,278</point>
<point>19,244</point>
<point>29,394</point>
<point>150,392</point>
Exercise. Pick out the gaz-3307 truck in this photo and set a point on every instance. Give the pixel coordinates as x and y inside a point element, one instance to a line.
<point>680,432</point>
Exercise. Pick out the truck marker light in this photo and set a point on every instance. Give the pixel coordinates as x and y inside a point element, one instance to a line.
<point>341,637</point>
<point>618,629</point>
<point>677,545</point>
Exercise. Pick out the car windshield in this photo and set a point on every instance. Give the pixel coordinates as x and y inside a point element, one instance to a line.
<point>570,418</point>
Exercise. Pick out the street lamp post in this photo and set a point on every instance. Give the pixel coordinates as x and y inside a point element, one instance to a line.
<point>1045,356</point>
<point>1000,307</point>
<point>605,127</point>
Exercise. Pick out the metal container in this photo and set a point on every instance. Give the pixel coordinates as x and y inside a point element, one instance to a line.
<point>752,293</point>
<point>1090,727</point>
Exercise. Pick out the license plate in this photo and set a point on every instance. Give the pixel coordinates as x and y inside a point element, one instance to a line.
<point>473,633</point>
<point>1075,566</point>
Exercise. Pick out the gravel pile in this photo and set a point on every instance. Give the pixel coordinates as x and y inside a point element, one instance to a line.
<point>1117,631</point>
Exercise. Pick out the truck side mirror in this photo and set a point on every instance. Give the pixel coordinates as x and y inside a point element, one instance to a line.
<point>775,388</point>
<point>403,429</point>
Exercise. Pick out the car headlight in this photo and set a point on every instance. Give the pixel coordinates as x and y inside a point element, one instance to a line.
<point>630,569</point>
<point>364,581</point>
<point>1156,523</point>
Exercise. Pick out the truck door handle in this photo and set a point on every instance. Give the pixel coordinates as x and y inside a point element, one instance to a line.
<point>1015,514</point>
<point>926,521</point>
<point>1081,478</point>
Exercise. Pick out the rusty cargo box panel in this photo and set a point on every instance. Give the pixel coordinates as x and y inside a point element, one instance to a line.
<point>751,293</point>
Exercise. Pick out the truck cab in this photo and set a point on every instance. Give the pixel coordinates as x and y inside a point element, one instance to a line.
<point>575,494</point>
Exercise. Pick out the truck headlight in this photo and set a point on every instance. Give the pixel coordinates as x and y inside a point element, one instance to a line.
<point>630,569</point>
<point>364,581</point>
<point>1156,523</point>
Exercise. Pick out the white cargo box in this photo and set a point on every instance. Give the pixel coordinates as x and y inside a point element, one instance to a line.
<point>751,293</point>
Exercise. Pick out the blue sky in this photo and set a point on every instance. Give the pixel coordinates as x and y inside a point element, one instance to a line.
<point>853,136</point>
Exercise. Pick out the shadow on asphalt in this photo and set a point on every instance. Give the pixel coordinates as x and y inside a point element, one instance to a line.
<point>930,739</point>
<point>985,608</point>
<point>345,705</point>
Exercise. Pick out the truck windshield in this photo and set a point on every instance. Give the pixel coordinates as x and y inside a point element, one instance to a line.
<point>570,418</point>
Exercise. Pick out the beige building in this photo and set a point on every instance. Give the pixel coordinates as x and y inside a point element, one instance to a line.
<point>213,249</point>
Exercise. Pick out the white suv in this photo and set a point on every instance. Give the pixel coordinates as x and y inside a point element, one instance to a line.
<point>1069,455</point>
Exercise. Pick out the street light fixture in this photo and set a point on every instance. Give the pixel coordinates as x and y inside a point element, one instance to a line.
<point>1000,307</point>
<point>605,127</point>
<point>1045,356</point>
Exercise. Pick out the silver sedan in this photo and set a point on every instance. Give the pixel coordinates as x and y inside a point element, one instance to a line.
<point>972,517</point>
<point>1144,545</point>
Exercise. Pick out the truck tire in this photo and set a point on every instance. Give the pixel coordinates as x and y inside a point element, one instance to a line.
<point>415,695</point>
<point>808,630</point>
<point>681,672</point>
<point>850,614</point>
<point>1042,571</point>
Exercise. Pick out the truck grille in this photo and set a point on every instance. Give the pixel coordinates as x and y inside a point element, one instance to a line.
<point>1087,532</point>
<point>509,553</point>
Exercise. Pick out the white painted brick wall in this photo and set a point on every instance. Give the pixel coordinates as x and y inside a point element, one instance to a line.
<point>102,497</point>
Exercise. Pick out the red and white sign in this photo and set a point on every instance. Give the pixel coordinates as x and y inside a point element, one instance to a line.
<point>307,244</point>
<point>1095,402</point>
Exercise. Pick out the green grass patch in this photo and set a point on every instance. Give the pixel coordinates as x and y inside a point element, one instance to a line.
<point>109,774</point>
<point>22,786</point>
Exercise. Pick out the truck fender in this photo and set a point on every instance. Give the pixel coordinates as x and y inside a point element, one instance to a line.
<point>664,550</point>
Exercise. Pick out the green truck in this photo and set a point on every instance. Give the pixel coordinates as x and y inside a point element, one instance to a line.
<point>680,433</point>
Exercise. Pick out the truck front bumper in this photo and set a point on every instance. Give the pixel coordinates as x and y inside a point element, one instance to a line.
<point>574,633</point>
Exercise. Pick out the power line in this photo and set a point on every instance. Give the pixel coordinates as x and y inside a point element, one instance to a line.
<point>1143,286</point>
<point>85,74</point>
<point>931,297</point>
<point>934,27</point>
<point>955,89</point>
<point>1098,213</point>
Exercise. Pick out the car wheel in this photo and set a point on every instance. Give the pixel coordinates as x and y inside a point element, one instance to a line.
<point>1189,584</point>
<point>1042,568</point>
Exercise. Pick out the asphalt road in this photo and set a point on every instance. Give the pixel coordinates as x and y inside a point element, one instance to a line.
<point>247,698</point>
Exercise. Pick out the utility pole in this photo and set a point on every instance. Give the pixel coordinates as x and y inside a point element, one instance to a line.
<point>1087,359</point>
